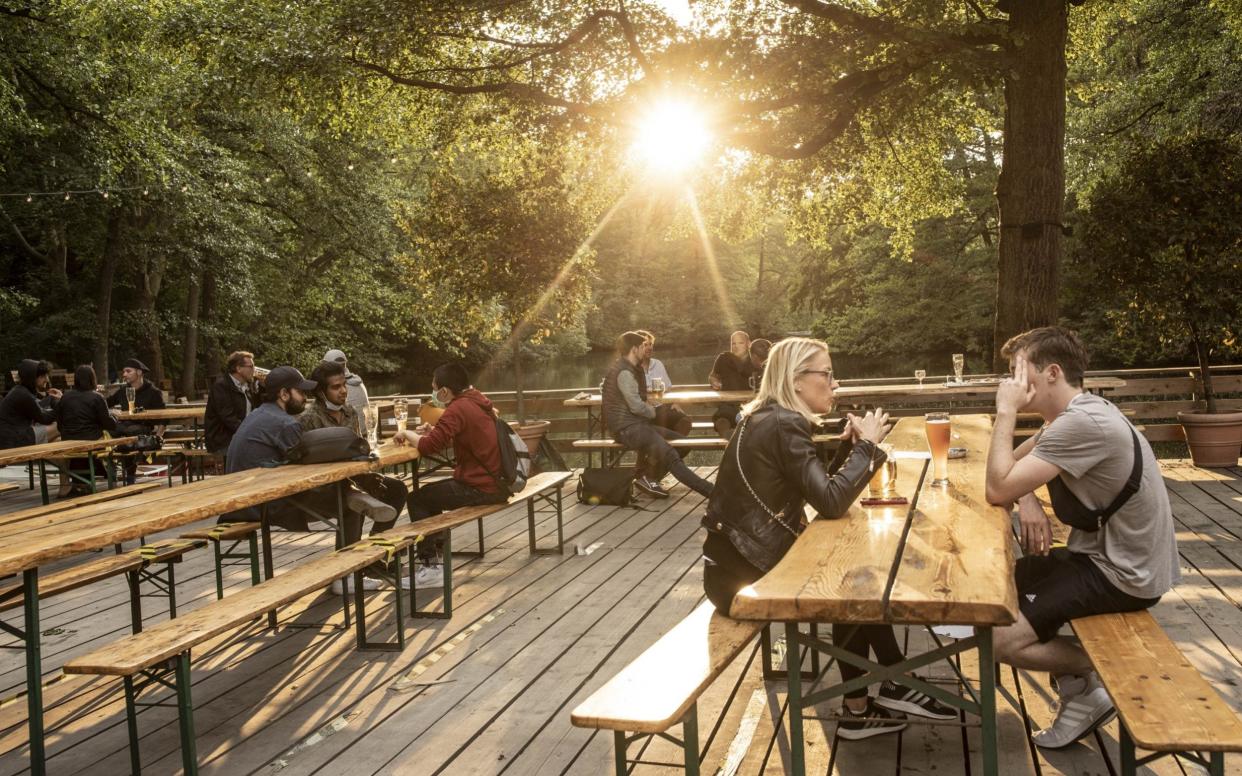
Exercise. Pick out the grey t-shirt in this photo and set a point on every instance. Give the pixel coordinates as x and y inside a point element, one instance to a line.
<point>1092,445</point>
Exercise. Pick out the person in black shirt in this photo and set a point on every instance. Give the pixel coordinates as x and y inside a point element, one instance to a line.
<point>23,421</point>
<point>731,372</point>
<point>82,413</point>
<point>147,397</point>
<point>233,396</point>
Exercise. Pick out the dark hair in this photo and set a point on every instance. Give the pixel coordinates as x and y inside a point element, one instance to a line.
<point>760,348</point>
<point>452,376</point>
<point>235,360</point>
<point>325,370</point>
<point>628,341</point>
<point>42,369</point>
<point>1051,345</point>
<point>84,378</point>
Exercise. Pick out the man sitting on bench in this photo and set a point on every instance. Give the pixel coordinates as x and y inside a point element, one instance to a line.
<point>1105,483</point>
<point>631,420</point>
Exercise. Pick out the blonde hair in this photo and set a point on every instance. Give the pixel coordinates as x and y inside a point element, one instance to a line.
<point>786,361</point>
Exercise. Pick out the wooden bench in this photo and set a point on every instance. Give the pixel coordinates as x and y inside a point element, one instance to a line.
<point>7,487</point>
<point>544,489</point>
<point>163,651</point>
<point>662,686</point>
<point>1164,704</point>
<point>135,565</point>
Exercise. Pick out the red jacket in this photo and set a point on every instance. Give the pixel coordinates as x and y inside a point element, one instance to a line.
<point>468,425</point>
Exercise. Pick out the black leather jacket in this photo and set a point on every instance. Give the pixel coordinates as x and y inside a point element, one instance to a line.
<point>779,461</point>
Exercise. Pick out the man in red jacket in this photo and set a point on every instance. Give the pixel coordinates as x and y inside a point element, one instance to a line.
<point>468,425</point>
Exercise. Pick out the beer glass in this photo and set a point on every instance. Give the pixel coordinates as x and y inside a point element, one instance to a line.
<point>130,398</point>
<point>937,426</point>
<point>399,412</point>
<point>959,365</point>
<point>920,375</point>
<point>657,388</point>
<point>884,482</point>
<point>371,416</point>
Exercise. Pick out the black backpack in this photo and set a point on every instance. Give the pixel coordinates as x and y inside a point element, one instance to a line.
<point>328,445</point>
<point>514,459</point>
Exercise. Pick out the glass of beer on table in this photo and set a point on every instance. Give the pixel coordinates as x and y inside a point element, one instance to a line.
<point>399,412</point>
<point>884,481</point>
<point>371,419</point>
<point>130,398</point>
<point>657,388</point>
<point>937,426</point>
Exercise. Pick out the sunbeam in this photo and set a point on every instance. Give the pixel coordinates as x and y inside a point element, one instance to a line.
<point>713,269</point>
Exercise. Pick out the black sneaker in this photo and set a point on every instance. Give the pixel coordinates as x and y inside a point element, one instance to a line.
<point>872,721</point>
<point>650,488</point>
<point>898,698</point>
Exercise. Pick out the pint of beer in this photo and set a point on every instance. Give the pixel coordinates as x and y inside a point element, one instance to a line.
<point>884,481</point>
<point>937,426</point>
<point>657,389</point>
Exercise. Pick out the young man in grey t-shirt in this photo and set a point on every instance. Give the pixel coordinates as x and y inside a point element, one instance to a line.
<point>1124,561</point>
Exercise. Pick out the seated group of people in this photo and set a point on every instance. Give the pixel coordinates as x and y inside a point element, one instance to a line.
<point>34,412</point>
<point>271,421</point>
<point>1121,553</point>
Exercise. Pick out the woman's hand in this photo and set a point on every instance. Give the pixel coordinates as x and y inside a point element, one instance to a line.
<point>873,426</point>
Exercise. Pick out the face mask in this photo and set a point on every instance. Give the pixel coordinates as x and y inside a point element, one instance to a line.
<point>436,400</point>
<point>333,407</point>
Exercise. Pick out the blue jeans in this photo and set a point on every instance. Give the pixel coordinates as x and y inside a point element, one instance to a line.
<point>656,457</point>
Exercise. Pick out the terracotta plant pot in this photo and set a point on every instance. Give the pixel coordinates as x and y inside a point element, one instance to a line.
<point>1214,439</point>
<point>532,433</point>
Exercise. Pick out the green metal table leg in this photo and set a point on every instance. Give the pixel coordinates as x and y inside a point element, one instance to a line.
<point>43,482</point>
<point>690,739</point>
<point>987,701</point>
<point>185,716</point>
<point>34,667</point>
<point>90,470</point>
<point>131,725</point>
<point>1218,764</point>
<point>620,764</point>
<point>793,669</point>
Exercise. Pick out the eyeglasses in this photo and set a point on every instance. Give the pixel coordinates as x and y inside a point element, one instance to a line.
<point>825,372</point>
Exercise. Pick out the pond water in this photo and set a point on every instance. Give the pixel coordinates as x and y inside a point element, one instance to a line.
<point>588,369</point>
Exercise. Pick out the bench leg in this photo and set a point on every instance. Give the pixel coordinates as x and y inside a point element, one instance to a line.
<point>185,716</point>
<point>771,672</point>
<point>1129,764</point>
<point>690,739</point>
<point>361,621</point>
<point>987,701</point>
<point>473,553</point>
<point>131,725</point>
<point>447,610</point>
<point>793,669</point>
<point>620,761</point>
<point>135,603</point>
<point>550,507</point>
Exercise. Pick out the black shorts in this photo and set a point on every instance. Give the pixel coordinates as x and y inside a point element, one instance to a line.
<point>1063,586</point>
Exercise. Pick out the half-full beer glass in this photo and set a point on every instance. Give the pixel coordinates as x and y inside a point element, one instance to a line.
<point>399,412</point>
<point>937,426</point>
<point>884,481</point>
<point>130,398</point>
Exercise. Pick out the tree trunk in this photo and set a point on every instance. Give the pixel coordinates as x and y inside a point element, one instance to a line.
<point>1031,189</point>
<point>189,343</point>
<point>1204,356</point>
<point>152,279</point>
<point>213,355</point>
<point>517,375</point>
<point>103,296</point>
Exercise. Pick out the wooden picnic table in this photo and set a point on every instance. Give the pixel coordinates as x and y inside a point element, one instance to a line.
<point>29,544</point>
<point>947,561</point>
<point>852,394</point>
<point>167,414</point>
<point>51,453</point>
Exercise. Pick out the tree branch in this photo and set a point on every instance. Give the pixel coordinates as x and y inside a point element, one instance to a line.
<point>890,30</point>
<point>26,247</point>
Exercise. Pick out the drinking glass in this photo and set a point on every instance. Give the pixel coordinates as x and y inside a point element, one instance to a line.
<point>415,410</point>
<point>884,482</point>
<point>130,398</point>
<point>937,426</point>
<point>399,412</point>
<point>959,364</point>
<point>657,388</point>
<point>920,375</point>
<point>371,416</point>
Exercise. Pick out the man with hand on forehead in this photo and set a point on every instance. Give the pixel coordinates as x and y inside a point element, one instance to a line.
<point>1105,483</point>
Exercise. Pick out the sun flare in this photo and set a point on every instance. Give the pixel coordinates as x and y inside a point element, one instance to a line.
<point>671,137</point>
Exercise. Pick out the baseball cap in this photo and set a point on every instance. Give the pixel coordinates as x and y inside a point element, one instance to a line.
<point>288,377</point>
<point>335,355</point>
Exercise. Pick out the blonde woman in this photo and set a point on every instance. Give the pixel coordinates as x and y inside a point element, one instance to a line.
<point>769,471</point>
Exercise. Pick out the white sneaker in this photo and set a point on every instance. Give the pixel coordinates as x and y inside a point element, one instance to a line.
<point>429,576</point>
<point>1083,707</point>
<point>368,506</point>
<point>340,586</point>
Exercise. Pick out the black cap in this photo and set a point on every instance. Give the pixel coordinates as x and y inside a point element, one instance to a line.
<point>287,377</point>
<point>134,363</point>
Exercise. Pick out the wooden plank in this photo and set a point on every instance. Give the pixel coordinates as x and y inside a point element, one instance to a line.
<point>7,487</point>
<point>1148,677</point>
<point>657,689</point>
<point>65,448</point>
<point>129,655</point>
<point>165,415</point>
<point>122,491</point>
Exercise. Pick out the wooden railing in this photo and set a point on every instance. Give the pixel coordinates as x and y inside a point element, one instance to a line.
<point>1152,397</point>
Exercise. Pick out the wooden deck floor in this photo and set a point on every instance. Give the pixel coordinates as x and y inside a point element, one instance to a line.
<point>490,691</point>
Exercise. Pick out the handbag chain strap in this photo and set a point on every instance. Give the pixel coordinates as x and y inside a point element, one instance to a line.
<point>773,515</point>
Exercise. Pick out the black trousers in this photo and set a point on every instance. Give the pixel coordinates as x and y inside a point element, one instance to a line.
<point>430,500</point>
<point>725,572</point>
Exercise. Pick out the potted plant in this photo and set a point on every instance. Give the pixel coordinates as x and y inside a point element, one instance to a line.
<point>1162,232</point>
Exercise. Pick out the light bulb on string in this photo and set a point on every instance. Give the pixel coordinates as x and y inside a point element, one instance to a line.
<point>350,167</point>
<point>29,198</point>
<point>144,192</point>
<point>105,194</point>
<point>66,196</point>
